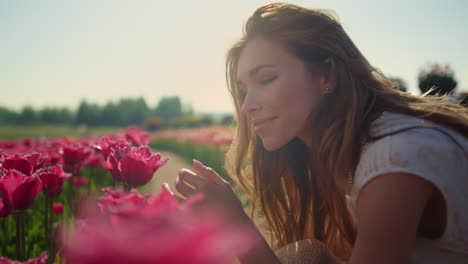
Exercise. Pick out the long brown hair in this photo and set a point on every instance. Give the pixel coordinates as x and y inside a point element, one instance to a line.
<point>302,192</point>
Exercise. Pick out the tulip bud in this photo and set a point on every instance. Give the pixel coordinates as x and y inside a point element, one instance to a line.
<point>57,208</point>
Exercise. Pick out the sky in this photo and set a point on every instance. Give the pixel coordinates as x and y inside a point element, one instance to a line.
<point>59,52</point>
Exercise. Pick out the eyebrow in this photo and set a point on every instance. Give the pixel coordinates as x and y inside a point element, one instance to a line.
<point>255,70</point>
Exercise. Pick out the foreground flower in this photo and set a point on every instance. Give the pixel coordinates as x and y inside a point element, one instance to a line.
<point>39,260</point>
<point>134,166</point>
<point>19,190</point>
<point>153,230</point>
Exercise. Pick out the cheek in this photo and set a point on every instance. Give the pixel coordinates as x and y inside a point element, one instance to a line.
<point>296,101</point>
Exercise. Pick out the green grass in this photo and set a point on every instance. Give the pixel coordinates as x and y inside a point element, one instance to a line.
<point>15,132</point>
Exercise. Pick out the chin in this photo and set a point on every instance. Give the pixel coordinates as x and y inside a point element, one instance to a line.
<point>271,144</point>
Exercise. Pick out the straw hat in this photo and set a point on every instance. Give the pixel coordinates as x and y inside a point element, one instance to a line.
<point>306,251</point>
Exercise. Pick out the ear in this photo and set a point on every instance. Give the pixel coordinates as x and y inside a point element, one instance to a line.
<point>328,78</point>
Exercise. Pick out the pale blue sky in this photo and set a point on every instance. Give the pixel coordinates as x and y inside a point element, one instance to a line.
<point>59,52</point>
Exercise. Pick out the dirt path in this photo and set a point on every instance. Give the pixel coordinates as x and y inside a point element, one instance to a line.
<point>168,173</point>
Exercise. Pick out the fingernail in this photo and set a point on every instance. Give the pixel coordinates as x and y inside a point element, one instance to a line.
<point>198,164</point>
<point>165,186</point>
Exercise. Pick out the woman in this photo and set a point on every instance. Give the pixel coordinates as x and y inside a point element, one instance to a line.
<point>317,124</point>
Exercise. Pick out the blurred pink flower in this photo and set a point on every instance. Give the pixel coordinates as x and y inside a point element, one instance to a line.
<point>159,230</point>
<point>42,259</point>
<point>79,181</point>
<point>57,208</point>
<point>96,160</point>
<point>135,136</point>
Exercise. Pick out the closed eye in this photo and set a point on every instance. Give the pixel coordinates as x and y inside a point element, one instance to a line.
<point>268,80</point>
<point>242,94</point>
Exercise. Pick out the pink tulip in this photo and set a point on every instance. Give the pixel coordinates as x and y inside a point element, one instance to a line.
<point>96,160</point>
<point>52,180</point>
<point>79,181</point>
<point>19,190</point>
<point>75,156</point>
<point>107,145</point>
<point>135,136</point>
<point>24,163</point>
<point>57,208</point>
<point>134,166</point>
<point>139,165</point>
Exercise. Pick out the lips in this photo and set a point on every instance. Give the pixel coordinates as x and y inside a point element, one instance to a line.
<point>260,123</point>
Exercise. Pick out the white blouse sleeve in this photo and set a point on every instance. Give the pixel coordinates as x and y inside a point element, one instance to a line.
<point>424,152</point>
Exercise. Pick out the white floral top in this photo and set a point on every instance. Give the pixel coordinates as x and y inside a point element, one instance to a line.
<point>433,152</point>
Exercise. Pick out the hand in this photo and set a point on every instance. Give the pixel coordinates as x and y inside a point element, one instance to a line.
<point>218,193</point>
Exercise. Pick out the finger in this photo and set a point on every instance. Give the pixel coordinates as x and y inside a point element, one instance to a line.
<point>193,179</point>
<point>208,173</point>
<point>179,199</point>
<point>165,186</point>
<point>184,189</point>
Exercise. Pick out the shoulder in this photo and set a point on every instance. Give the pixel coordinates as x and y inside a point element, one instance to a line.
<point>414,146</point>
<point>395,177</point>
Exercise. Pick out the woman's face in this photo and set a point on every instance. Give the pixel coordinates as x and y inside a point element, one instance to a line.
<point>278,92</point>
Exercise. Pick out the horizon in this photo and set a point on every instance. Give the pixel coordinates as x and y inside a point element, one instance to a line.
<point>56,54</point>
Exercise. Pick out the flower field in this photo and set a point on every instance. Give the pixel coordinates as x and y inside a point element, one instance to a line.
<point>65,201</point>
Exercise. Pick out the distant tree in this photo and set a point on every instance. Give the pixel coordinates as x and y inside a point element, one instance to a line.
<point>437,79</point>
<point>7,116</point>
<point>169,108</point>
<point>88,113</point>
<point>206,120</point>
<point>399,84</point>
<point>111,115</point>
<point>27,116</point>
<point>187,109</point>
<point>53,115</point>
<point>133,111</point>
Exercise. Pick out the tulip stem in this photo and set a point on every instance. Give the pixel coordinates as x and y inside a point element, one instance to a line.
<point>20,235</point>
<point>4,233</point>
<point>127,188</point>
<point>46,220</point>
<point>48,223</point>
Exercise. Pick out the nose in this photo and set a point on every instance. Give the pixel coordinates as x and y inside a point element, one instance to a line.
<point>250,105</point>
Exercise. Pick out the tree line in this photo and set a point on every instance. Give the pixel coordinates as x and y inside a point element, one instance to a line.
<point>169,112</point>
